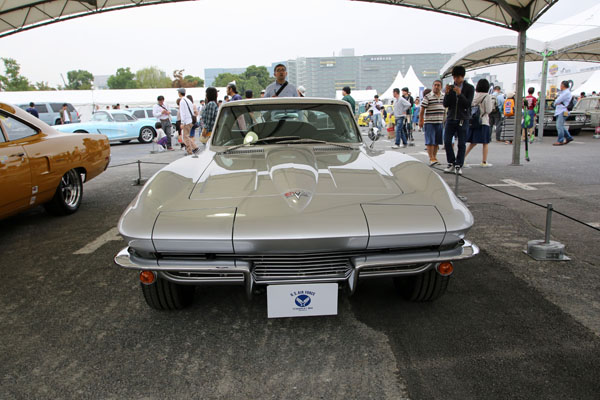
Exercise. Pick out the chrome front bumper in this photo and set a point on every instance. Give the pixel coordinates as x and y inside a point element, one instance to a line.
<point>239,272</point>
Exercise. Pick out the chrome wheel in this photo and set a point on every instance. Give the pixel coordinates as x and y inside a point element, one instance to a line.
<point>68,195</point>
<point>71,188</point>
<point>146,134</point>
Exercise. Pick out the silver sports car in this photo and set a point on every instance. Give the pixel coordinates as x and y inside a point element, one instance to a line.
<point>287,194</point>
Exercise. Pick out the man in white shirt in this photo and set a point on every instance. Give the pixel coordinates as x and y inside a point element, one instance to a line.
<point>400,107</point>
<point>161,112</point>
<point>186,114</point>
<point>376,106</point>
<point>281,87</point>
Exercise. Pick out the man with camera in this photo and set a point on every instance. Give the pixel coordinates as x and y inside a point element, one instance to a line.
<point>457,100</point>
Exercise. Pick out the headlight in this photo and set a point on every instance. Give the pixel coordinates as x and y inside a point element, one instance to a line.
<point>548,120</point>
<point>580,118</point>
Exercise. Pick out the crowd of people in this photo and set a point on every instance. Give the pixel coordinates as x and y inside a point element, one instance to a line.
<point>457,114</point>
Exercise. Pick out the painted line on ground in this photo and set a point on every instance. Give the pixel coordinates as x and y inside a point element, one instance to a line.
<point>520,185</point>
<point>91,247</point>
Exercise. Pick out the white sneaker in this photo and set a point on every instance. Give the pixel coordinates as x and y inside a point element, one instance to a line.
<point>403,145</point>
<point>459,171</point>
<point>485,165</point>
<point>449,169</point>
<point>395,146</point>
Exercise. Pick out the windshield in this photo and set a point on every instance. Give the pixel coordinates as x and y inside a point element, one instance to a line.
<point>326,122</point>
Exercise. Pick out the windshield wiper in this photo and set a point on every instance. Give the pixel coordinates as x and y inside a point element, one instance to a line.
<point>264,140</point>
<point>345,146</point>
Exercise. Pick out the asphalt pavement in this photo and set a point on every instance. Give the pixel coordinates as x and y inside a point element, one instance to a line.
<point>73,325</point>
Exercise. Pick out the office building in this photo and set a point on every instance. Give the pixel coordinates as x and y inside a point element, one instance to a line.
<point>322,76</point>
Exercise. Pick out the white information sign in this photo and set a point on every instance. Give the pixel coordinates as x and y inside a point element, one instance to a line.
<point>302,300</point>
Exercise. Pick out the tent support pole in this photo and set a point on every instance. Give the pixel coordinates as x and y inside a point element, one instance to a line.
<point>522,42</point>
<point>542,99</point>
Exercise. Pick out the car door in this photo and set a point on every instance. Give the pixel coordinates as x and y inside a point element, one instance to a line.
<point>127,123</point>
<point>15,174</point>
<point>103,123</point>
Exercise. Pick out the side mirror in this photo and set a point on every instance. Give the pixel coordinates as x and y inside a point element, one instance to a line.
<point>374,134</point>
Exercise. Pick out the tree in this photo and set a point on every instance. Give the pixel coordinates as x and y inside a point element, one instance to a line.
<point>123,79</point>
<point>43,86</point>
<point>253,78</point>
<point>185,81</point>
<point>12,81</point>
<point>152,77</point>
<point>79,80</point>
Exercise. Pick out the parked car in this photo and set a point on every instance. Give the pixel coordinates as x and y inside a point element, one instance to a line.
<point>591,107</point>
<point>116,125</point>
<point>141,113</point>
<point>389,109</point>
<point>39,165</point>
<point>280,197</point>
<point>50,112</point>
<point>574,123</point>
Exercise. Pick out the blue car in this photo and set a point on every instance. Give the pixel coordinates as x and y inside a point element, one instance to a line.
<point>146,112</point>
<point>116,125</point>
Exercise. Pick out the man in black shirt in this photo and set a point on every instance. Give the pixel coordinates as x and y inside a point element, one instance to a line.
<point>458,101</point>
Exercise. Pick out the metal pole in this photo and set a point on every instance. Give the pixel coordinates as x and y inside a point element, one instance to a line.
<point>456,183</point>
<point>542,99</point>
<point>522,43</point>
<point>139,180</point>
<point>548,223</point>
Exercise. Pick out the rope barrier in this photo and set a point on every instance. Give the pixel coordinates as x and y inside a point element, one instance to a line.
<point>527,201</point>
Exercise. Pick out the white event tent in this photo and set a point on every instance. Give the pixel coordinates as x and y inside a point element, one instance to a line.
<point>358,95</point>
<point>592,84</point>
<point>397,83</point>
<point>583,44</point>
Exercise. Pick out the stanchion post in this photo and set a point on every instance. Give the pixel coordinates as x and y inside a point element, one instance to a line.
<point>548,223</point>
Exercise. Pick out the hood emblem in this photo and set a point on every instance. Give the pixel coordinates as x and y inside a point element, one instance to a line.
<point>296,194</point>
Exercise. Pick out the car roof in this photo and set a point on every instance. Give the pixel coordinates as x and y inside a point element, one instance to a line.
<point>283,100</point>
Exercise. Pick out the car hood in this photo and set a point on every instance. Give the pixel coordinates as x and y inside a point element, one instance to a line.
<point>294,198</point>
<point>294,175</point>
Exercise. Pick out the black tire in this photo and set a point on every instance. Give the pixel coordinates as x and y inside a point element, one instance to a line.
<point>575,132</point>
<point>125,141</point>
<point>146,134</point>
<point>80,131</point>
<point>166,295</point>
<point>68,195</point>
<point>427,286</point>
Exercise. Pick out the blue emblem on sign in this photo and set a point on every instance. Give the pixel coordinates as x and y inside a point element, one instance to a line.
<point>302,300</point>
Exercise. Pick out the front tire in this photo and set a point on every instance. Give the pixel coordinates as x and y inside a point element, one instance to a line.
<point>427,286</point>
<point>166,295</point>
<point>146,134</point>
<point>68,195</point>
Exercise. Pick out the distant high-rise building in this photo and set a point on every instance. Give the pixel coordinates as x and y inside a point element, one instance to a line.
<point>322,76</point>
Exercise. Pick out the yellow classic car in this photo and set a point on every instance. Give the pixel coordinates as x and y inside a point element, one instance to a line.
<point>39,165</point>
<point>389,109</point>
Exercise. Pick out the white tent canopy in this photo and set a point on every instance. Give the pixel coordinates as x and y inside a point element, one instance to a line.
<point>358,95</point>
<point>398,83</point>
<point>17,16</point>
<point>592,84</point>
<point>579,41</point>
<point>413,83</point>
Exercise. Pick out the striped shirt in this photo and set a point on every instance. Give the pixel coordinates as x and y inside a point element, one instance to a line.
<point>434,109</point>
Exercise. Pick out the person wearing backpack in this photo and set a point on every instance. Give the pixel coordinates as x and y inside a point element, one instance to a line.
<point>479,129</point>
<point>562,105</point>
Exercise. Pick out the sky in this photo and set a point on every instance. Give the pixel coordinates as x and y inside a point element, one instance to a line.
<point>237,33</point>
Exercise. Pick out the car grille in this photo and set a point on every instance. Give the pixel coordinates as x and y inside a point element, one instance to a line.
<point>300,266</point>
